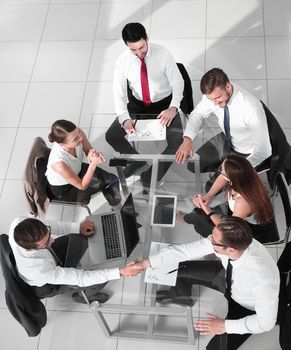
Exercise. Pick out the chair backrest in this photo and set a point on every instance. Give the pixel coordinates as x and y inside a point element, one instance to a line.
<point>281,188</point>
<point>22,303</point>
<point>187,104</point>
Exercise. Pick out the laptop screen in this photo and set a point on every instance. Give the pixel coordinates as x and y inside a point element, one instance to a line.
<point>130,228</point>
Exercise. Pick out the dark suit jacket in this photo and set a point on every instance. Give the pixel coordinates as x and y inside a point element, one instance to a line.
<point>24,306</point>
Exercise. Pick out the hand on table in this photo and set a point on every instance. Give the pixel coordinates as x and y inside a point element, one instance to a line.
<point>215,325</point>
<point>184,151</point>
<point>87,228</point>
<point>128,126</point>
<point>167,116</point>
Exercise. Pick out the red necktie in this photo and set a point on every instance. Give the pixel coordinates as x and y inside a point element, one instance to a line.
<point>144,84</point>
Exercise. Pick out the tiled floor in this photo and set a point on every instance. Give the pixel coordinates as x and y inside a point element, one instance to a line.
<point>56,60</point>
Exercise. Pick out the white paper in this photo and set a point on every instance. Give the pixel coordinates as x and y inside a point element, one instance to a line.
<point>148,130</point>
<point>159,275</point>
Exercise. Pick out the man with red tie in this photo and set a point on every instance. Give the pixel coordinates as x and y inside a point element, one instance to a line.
<point>147,82</point>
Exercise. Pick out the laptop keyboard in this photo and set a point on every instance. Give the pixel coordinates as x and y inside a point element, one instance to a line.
<point>111,236</point>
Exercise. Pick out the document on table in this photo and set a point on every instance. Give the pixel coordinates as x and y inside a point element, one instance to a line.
<point>148,130</point>
<point>160,275</point>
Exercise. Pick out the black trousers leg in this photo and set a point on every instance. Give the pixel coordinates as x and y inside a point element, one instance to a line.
<point>231,341</point>
<point>211,154</point>
<point>208,273</point>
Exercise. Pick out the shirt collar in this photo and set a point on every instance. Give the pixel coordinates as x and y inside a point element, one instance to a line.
<point>244,257</point>
<point>234,92</point>
<point>149,53</point>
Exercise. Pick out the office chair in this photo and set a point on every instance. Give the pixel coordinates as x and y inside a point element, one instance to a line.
<point>281,201</point>
<point>280,148</point>
<point>22,303</point>
<point>36,185</point>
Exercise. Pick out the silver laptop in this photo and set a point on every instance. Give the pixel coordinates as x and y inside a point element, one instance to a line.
<point>116,233</point>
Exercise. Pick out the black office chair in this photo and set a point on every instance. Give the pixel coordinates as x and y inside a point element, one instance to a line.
<point>280,149</point>
<point>36,185</point>
<point>281,200</point>
<point>187,104</point>
<point>23,305</point>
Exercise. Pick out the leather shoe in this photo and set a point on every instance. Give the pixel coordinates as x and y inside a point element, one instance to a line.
<point>100,297</point>
<point>132,167</point>
<point>169,298</point>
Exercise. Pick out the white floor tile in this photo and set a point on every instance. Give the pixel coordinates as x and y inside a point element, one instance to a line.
<point>12,204</point>
<point>22,22</point>
<point>24,2</point>
<point>277,17</point>
<point>21,150</point>
<point>98,99</point>
<point>267,341</point>
<point>71,22</point>
<point>13,335</point>
<point>114,16</point>
<point>63,61</point>
<point>226,53</point>
<point>102,120</point>
<point>190,52</point>
<point>12,101</point>
<point>73,1</point>
<point>277,56</point>
<point>16,60</point>
<point>278,92</point>
<point>74,330</point>
<point>7,137</point>
<point>234,18</point>
<point>48,102</point>
<point>104,55</point>
<point>182,26</point>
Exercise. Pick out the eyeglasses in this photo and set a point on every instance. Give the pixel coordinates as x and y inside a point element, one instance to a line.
<point>219,171</point>
<point>217,244</point>
<point>45,245</point>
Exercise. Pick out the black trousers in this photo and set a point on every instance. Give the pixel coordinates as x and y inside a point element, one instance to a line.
<point>69,250</point>
<point>203,225</point>
<point>174,133</point>
<point>100,179</point>
<point>211,274</point>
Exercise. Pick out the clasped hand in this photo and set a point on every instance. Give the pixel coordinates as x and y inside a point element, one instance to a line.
<point>95,157</point>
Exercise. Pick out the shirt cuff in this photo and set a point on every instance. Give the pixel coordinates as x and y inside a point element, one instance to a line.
<point>235,326</point>
<point>114,274</point>
<point>75,227</point>
<point>122,118</point>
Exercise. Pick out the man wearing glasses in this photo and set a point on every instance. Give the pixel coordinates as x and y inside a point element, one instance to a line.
<point>246,274</point>
<point>48,264</point>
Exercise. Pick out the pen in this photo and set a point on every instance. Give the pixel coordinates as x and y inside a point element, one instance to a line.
<point>178,268</point>
<point>134,123</point>
<point>112,182</point>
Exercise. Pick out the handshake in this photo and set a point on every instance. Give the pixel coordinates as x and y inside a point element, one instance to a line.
<point>134,267</point>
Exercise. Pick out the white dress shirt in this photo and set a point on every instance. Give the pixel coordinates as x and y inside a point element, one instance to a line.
<point>255,281</point>
<point>248,124</point>
<point>164,78</point>
<point>38,267</point>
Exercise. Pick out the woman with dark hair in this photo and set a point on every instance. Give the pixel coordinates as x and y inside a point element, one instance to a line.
<point>69,178</point>
<point>247,198</point>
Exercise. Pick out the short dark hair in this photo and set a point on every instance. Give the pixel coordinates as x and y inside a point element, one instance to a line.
<point>236,233</point>
<point>212,79</point>
<point>133,32</point>
<point>60,130</point>
<point>28,232</point>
